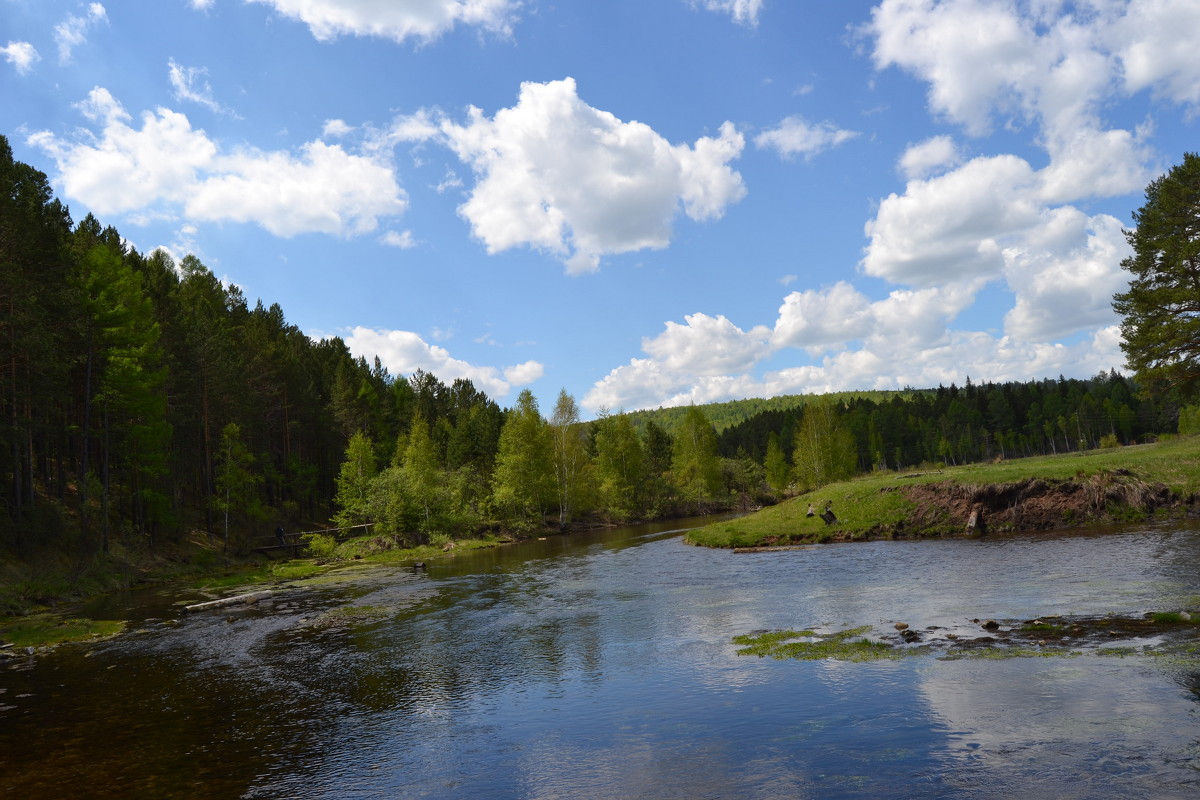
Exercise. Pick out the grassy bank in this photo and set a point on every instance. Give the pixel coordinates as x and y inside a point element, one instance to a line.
<point>1124,483</point>
<point>39,599</point>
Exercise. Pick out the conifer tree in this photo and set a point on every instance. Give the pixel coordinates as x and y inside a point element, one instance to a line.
<point>1161,309</point>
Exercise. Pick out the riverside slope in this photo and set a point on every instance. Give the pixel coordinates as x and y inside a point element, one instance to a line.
<point>1044,493</point>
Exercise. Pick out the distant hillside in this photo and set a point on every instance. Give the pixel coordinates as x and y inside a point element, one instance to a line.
<point>734,412</point>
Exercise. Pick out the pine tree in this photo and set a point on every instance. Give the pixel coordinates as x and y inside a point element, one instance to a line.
<point>1161,309</point>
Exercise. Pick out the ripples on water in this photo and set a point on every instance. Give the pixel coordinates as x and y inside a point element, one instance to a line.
<point>601,667</point>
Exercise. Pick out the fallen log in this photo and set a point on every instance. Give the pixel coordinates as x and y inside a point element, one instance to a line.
<point>245,599</point>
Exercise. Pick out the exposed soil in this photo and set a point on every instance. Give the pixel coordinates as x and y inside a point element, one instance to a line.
<point>950,508</point>
<point>1030,504</point>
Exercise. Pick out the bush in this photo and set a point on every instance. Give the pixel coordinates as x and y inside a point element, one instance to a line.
<point>1109,441</point>
<point>321,545</point>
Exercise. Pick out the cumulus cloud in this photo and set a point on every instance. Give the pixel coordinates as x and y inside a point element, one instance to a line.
<point>1045,71</point>
<point>335,128</point>
<point>165,167</point>
<point>647,383</point>
<point>1065,277</point>
<point>932,155</point>
<point>404,352</point>
<point>953,226</point>
<point>797,137</point>
<point>1156,44</point>
<point>21,55</point>
<point>423,20</point>
<point>707,346</point>
<point>744,12</point>
<point>557,175</point>
<point>73,31</point>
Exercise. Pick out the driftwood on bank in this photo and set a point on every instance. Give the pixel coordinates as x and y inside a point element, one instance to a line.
<point>244,599</point>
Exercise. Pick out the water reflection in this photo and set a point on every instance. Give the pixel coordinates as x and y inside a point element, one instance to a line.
<point>602,667</point>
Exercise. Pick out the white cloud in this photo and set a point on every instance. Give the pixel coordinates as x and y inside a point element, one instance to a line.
<point>817,320</point>
<point>744,12</point>
<point>404,352</point>
<point>424,20</point>
<point>73,31</point>
<point>1156,43</point>
<point>403,239</point>
<point>560,176</point>
<point>1032,62</point>
<point>795,136</point>
<point>166,167</point>
<point>953,226</point>
<point>336,128</point>
<point>707,346</point>
<point>21,55</point>
<point>188,85</point>
<point>932,155</point>
<point>975,54</point>
<point>647,383</point>
<point>524,374</point>
<point>1064,279</point>
<point>1047,71</point>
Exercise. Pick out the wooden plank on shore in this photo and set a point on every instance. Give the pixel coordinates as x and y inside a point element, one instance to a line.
<point>245,599</point>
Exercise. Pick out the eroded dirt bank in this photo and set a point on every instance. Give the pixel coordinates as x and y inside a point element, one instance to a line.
<point>947,507</point>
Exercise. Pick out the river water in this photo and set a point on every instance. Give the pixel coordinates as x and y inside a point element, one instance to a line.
<point>601,666</point>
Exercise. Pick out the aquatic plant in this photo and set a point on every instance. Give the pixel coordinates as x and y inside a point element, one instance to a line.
<point>847,645</point>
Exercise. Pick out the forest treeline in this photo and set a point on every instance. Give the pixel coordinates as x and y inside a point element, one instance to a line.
<point>143,399</point>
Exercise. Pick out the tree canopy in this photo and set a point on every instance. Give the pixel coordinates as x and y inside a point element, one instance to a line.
<point>1161,309</point>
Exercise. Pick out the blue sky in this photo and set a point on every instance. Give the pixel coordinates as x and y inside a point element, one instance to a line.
<point>645,202</point>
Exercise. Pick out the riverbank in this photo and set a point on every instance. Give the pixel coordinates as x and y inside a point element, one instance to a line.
<point>1045,493</point>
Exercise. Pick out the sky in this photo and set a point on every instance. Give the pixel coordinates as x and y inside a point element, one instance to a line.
<point>643,202</point>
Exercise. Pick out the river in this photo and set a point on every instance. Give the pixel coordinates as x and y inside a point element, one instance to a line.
<point>601,666</point>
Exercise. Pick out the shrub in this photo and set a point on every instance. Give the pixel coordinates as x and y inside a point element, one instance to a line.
<point>321,545</point>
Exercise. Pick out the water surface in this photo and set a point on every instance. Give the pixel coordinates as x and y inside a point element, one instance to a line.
<point>601,666</point>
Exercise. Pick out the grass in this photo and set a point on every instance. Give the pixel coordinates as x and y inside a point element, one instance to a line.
<point>871,507</point>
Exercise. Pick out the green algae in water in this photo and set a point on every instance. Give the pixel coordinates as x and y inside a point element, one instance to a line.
<point>43,632</point>
<point>848,645</point>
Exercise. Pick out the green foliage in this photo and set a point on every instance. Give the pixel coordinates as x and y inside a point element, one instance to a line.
<point>320,545</point>
<point>620,467</point>
<point>237,481</point>
<point>1161,310</point>
<point>870,505</point>
<point>570,457</point>
<point>1189,420</point>
<point>1109,441</point>
<point>824,449</point>
<point>695,468</point>
<point>354,481</point>
<point>523,485</point>
<point>778,470</point>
